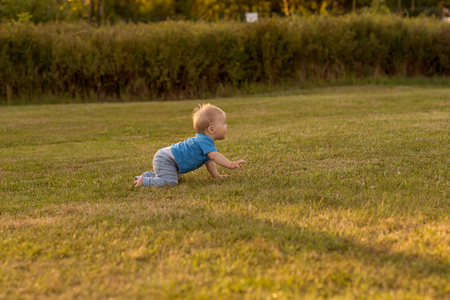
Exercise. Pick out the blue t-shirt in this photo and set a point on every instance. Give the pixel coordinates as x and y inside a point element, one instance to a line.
<point>191,154</point>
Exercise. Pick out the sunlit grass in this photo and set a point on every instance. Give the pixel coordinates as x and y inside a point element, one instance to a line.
<point>345,195</point>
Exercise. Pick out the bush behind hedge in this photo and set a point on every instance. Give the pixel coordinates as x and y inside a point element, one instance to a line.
<point>184,59</point>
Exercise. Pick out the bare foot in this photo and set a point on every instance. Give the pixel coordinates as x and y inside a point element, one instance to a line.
<point>139,182</point>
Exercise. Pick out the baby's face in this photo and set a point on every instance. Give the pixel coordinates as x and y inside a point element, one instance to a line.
<point>220,127</point>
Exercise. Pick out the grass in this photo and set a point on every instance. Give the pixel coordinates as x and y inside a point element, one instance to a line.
<point>345,195</point>
<point>287,87</point>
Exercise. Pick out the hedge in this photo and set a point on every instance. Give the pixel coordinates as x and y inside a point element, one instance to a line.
<point>177,59</point>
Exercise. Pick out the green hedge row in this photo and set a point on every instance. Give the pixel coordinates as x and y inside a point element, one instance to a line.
<point>184,59</point>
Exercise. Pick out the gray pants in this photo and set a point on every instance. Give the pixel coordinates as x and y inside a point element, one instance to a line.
<point>165,167</point>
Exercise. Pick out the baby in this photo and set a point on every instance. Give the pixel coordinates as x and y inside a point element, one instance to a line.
<point>168,163</point>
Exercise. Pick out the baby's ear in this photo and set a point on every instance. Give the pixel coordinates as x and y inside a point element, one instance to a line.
<point>211,129</point>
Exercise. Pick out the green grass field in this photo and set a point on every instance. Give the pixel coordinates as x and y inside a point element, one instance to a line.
<point>345,195</point>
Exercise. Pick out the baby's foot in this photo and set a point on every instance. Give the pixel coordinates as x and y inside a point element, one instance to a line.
<point>139,182</point>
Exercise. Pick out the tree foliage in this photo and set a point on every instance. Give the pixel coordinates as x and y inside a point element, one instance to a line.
<point>208,10</point>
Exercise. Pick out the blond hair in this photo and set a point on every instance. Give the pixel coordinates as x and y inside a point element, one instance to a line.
<point>204,115</point>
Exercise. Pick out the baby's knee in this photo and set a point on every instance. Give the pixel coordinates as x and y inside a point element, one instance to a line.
<point>172,182</point>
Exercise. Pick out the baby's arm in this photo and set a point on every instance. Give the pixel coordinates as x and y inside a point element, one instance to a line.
<point>221,160</point>
<point>212,169</point>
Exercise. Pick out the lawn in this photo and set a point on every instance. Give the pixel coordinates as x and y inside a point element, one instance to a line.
<point>345,195</point>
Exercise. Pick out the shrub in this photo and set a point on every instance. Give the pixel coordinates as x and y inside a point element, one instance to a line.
<point>177,59</point>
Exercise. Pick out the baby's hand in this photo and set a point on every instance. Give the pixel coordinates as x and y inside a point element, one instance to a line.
<point>222,176</point>
<point>237,164</point>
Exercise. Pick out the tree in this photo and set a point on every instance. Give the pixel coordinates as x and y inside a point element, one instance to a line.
<point>37,10</point>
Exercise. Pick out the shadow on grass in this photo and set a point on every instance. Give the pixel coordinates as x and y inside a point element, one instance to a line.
<point>291,240</point>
